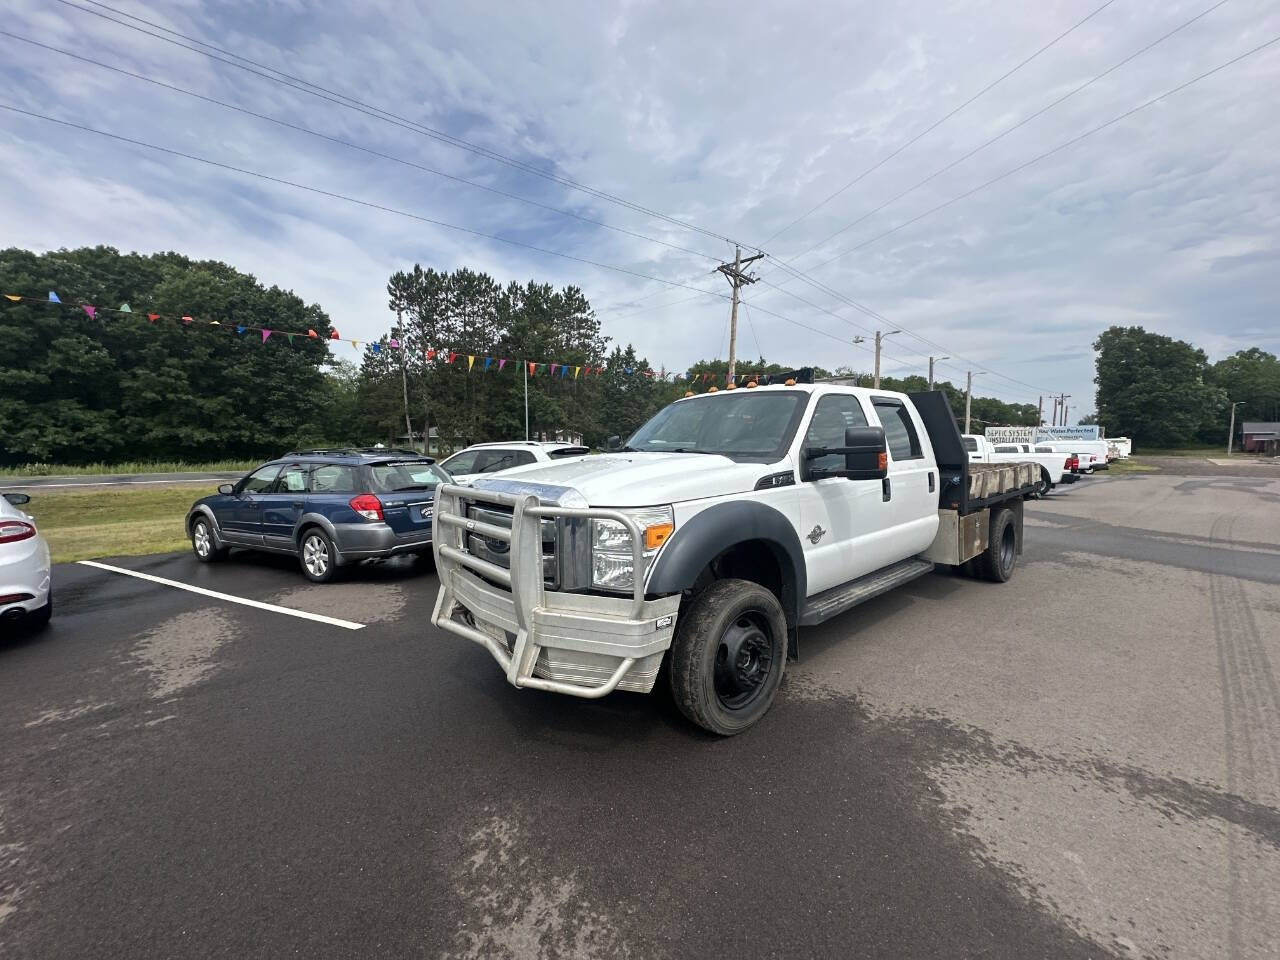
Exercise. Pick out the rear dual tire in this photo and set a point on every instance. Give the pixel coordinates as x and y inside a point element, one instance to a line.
<point>728,656</point>
<point>998,561</point>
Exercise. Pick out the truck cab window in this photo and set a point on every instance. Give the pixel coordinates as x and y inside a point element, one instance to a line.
<point>833,414</point>
<point>900,432</point>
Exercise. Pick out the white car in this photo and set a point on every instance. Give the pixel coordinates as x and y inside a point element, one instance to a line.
<point>25,592</point>
<point>486,458</point>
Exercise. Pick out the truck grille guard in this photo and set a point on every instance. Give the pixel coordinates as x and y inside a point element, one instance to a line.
<point>584,645</point>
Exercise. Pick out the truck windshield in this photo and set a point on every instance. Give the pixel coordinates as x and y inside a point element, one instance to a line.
<point>742,426</point>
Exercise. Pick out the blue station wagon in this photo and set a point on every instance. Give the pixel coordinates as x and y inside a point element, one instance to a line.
<point>327,507</point>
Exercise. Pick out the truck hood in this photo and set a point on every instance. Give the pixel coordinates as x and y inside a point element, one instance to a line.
<point>639,479</point>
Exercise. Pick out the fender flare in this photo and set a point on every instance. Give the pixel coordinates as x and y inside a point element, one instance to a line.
<point>205,512</point>
<point>713,531</point>
<point>325,524</point>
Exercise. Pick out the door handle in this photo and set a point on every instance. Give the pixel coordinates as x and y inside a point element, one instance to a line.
<point>298,504</point>
<point>931,484</point>
<point>886,490</point>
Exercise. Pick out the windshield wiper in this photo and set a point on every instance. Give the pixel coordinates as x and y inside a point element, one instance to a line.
<point>710,453</point>
<point>415,486</point>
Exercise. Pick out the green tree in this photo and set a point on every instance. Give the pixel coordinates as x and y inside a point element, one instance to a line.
<point>1153,388</point>
<point>77,389</point>
<point>1253,377</point>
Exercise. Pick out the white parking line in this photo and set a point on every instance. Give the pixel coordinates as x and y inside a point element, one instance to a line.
<point>303,614</point>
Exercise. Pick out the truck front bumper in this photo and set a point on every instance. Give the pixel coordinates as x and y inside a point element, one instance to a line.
<point>584,645</point>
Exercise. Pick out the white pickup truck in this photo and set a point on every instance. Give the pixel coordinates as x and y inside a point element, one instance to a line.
<point>1053,465</point>
<point>725,524</point>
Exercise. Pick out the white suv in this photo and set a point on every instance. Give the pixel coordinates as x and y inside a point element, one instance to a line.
<point>486,458</point>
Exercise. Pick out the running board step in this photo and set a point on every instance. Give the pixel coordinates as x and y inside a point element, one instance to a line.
<point>837,600</point>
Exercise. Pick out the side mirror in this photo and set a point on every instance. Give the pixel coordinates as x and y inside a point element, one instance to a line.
<point>226,489</point>
<point>866,455</point>
<point>18,499</point>
<point>613,443</point>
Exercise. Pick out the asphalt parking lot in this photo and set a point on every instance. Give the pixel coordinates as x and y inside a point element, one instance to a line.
<point>1084,762</point>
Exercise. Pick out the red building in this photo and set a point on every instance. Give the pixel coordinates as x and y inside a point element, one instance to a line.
<point>1261,437</point>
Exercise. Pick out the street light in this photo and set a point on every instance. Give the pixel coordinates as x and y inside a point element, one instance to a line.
<point>931,362</point>
<point>1231,430</point>
<point>880,337</point>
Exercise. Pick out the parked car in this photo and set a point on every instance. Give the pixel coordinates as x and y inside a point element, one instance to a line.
<point>26,592</point>
<point>328,507</point>
<point>484,458</point>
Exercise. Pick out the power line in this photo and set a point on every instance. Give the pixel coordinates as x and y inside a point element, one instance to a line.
<point>1048,153</point>
<point>343,100</point>
<point>349,199</point>
<point>940,122</point>
<point>1021,123</point>
<point>355,146</point>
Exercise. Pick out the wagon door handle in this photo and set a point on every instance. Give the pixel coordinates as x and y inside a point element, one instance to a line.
<point>886,490</point>
<point>931,485</point>
<point>297,503</point>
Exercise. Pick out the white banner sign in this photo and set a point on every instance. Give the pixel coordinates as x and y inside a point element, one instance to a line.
<point>1011,434</point>
<point>1066,433</point>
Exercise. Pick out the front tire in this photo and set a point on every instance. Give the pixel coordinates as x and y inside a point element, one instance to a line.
<point>203,543</point>
<point>728,656</point>
<point>317,556</point>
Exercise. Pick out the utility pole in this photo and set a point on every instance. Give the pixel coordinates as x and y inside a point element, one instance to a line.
<point>879,338</point>
<point>1231,430</point>
<point>1065,408</point>
<point>737,280</point>
<point>524,365</point>
<point>931,362</point>
<point>968,397</point>
<point>1040,413</point>
<point>404,379</point>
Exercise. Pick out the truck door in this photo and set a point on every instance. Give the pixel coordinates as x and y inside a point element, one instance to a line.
<point>840,520</point>
<point>912,484</point>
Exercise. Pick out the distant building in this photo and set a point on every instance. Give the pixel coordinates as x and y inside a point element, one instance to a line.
<point>1261,437</point>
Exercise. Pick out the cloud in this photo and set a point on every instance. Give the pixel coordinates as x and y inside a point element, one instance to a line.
<point>738,124</point>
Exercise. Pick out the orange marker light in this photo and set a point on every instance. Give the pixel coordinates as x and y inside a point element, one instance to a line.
<point>882,461</point>
<point>656,535</point>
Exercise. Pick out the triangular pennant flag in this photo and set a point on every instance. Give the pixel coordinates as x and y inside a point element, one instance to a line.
<point>564,370</point>
<point>239,328</point>
<point>470,362</point>
<point>554,368</point>
<point>576,371</point>
<point>502,362</point>
<point>153,317</point>
<point>311,333</point>
<point>452,356</point>
<point>487,361</point>
<point>355,344</point>
<point>395,344</point>
<point>89,309</point>
<point>431,354</point>
<point>265,334</point>
<point>333,335</point>
<point>186,321</point>
<point>215,323</point>
<point>290,336</point>
<point>53,297</point>
<point>377,347</point>
<point>13,296</point>
<point>626,370</point>
<point>125,308</point>
<point>533,368</point>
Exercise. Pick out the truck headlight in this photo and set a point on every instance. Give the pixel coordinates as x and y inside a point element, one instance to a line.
<point>612,562</point>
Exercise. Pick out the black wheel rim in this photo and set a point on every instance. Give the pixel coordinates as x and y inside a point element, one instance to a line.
<point>1008,547</point>
<point>744,660</point>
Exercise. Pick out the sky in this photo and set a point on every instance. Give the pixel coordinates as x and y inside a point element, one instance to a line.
<point>839,139</point>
